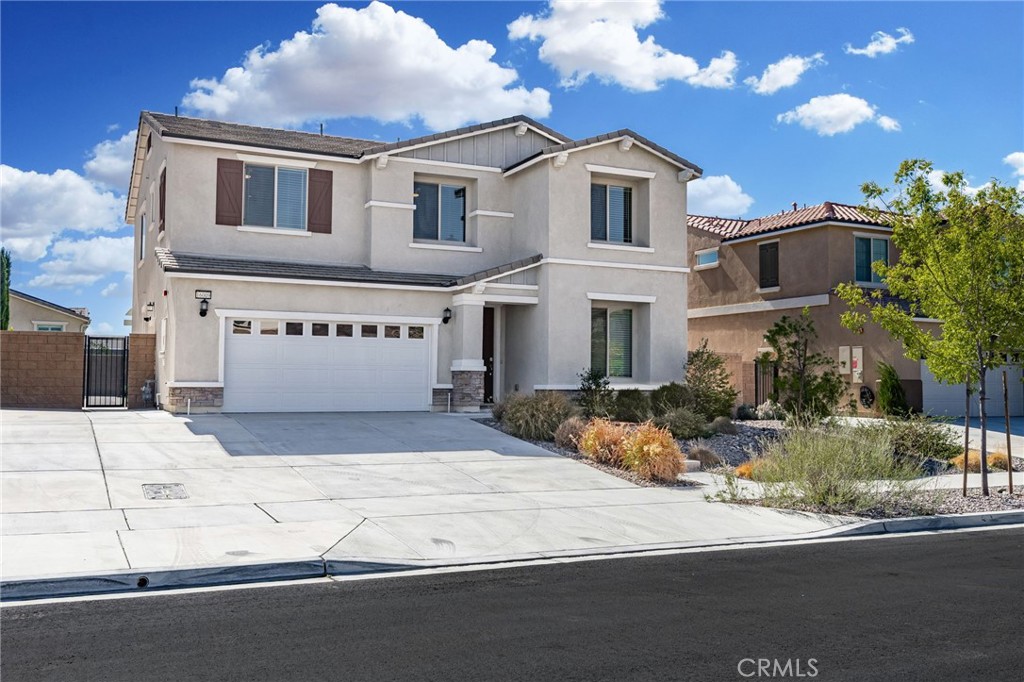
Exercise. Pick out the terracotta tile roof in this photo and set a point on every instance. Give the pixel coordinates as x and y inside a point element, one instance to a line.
<point>829,211</point>
<point>74,312</point>
<point>174,261</point>
<point>569,145</point>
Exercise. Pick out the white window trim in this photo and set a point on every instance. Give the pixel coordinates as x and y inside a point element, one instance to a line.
<point>621,172</point>
<point>705,266</point>
<point>280,231</point>
<point>142,238</point>
<point>491,214</point>
<point>374,203</point>
<point>275,161</point>
<point>37,323</point>
<point>888,248</point>
<point>442,246</point>
<point>768,290</point>
<point>163,336</point>
<point>616,246</point>
<point>621,298</point>
<point>276,167</point>
<point>608,218</point>
<point>465,197</point>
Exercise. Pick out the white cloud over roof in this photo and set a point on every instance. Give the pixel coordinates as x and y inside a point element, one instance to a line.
<point>717,195</point>
<point>601,39</point>
<point>829,115</point>
<point>374,62</point>
<point>784,73</point>
<point>881,43</point>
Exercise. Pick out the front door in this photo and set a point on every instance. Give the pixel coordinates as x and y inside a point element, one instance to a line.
<point>488,355</point>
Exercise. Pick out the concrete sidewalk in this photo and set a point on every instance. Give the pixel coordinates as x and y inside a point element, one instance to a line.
<point>242,497</point>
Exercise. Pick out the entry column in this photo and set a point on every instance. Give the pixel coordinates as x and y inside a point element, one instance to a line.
<point>468,366</point>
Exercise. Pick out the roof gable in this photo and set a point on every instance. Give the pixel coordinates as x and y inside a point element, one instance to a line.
<point>824,213</point>
<point>35,300</point>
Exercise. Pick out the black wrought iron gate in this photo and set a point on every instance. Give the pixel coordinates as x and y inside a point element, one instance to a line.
<point>106,371</point>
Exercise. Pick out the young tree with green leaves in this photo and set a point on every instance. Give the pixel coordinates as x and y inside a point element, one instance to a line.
<point>961,261</point>
<point>5,289</point>
<point>808,384</point>
<point>709,382</point>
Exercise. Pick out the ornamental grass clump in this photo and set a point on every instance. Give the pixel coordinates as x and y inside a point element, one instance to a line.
<point>652,453</point>
<point>535,417</point>
<point>602,441</point>
<point>568,433</point>
<point>996,461</point>
<point>840,469</point>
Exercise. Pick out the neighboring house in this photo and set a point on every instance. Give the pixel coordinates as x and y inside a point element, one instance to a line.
<point>749,273</point>
<point>32,314</point>
<point>290,271</point>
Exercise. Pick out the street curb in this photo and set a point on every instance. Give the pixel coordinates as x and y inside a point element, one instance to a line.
<point>156,580</point>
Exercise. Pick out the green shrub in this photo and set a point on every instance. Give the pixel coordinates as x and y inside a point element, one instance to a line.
<point>536,417</point>
<point>568,433</point>
<point>834,470</point>
<point>746,412</point>
<point>723,425</point>
<point>595,398</point>
<point>651,453</point>
<point>918,438</point>
<point>709,383</point>
<point>808,384</point>
<point>669,396</point>
<point>892,399</point>
<point>683,423</point>
<point>632,405</point>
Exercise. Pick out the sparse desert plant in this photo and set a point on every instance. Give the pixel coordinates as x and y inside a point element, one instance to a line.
<point>746,412</point>
<point>536,417</point>
<point>602,441</point>
<point>670,396</point>
<point>919,438</point>
<point>568,433</point>
<point>498,408</point>
<point>996,461</point>
<point>723,425</point>
<point>707,457</point>
<point>651,453</point>
<point>595,398</point>
<point>709,382</point>
<point>683,424</point>
<point>770,410</point>
<point>632,405</point>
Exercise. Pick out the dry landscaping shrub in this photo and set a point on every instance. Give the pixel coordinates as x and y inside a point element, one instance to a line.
<point>919,438</point>
<point>748,469</point>
<point>770,410</point>
<point>996,461</point>
<point>536,417</point>
<point>498,408</point>
<point>652,453</point>
<point>724,425</point>
<point>568,433</point>
<point>632,405</point>
<point>683,423</point>
<point>705,455</point>
<point>602,441</point>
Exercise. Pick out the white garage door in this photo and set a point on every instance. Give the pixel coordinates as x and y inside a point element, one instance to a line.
<point>948,400</point>
<point>304,366</point>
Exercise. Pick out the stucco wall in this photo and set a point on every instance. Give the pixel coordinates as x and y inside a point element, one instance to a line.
<point>25,313</point>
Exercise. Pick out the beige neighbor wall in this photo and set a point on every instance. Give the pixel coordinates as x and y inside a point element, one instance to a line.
<point>24,315</point>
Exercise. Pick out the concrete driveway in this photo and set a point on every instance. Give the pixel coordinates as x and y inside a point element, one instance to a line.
<point>86,492</point>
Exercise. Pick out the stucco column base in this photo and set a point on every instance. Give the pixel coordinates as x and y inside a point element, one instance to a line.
<point>467,390</point>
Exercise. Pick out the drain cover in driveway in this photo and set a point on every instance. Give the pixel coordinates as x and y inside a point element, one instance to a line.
<point>164,491</point>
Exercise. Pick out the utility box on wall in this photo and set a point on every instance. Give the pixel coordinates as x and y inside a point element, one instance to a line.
<point>844,359</point>
<point>857,364</point>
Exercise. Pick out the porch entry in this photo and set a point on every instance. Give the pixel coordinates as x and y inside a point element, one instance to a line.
<point>488,355</point>
<point>106,371</point>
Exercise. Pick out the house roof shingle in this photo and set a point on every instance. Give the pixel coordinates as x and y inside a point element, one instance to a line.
<point>35,299</point>
<point>173,261</point>
<point>730,228</point>
<point>569,145</point>
<point>401,144</point>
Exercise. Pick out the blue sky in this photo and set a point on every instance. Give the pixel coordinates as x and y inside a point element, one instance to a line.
<point>850,90</point>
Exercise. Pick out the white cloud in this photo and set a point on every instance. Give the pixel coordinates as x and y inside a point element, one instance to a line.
<point>113,127</point>
<point>1016,161</point>
<point>101,329</point>
<point>84,262</point>
<point>111,162</point>
<point>717,195</point>
<point>600,39</point>
<point>118,289</point>
<point>881,43</point>
<point>831,114</point>
<point>39,206</point>
<point>373,62</point>
<point>935,180</point>
<point>888,124</point>
<point>784,73</point>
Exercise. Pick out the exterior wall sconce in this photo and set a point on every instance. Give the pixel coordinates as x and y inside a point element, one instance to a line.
<point>204,307</point>
<point>204,303</point>
<point>446,316</point>
<point>149,311</point>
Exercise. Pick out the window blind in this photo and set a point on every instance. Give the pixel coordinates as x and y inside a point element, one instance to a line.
<point>453,213</point>
<point>424,219</point>
<point>259,196</point>
<point>291,198</point>
<point>620,343</point>
<point>598,213</point>
<point>599,340</point>
<point>620,214</point>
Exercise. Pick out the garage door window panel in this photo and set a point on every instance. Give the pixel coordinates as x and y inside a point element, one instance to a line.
<point>270,328</point>
<point>293,328</point>
<point>242,327</point>
<point>416,332</point>
<point>321,329</point>
<point>343,330</point>
<point>368,331</point>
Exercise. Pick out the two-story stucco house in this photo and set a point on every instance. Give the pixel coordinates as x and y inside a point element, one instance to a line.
<point>291,271</point>
<point>749,273</point>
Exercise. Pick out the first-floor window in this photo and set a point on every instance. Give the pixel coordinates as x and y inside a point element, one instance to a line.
<point>867,252</point>
<point>611,341</point>
<point>275,197</point>
<point>440,212</point>
<point>49,327</point>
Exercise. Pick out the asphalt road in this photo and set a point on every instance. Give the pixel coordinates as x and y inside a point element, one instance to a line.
<point>927,607</point>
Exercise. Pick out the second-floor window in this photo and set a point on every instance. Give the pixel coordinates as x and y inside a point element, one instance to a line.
<point>611,214</point>
<point>868,251</point>
<point>440,212</point>
<point>768,262</point>
<point>275,196</point>
<point>142,237</point>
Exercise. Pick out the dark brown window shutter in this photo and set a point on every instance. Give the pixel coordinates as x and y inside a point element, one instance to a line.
<point>769,265</point>
<point>229,192</point>
<point>163,198</point>
<point>320,201</point>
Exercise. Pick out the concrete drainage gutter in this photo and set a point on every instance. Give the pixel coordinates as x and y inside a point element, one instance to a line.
<point>18,589</point>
